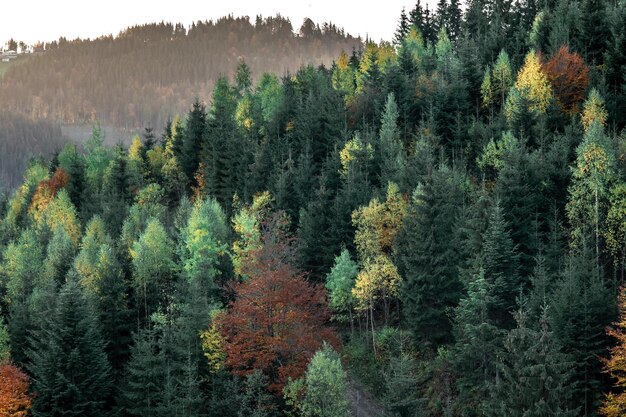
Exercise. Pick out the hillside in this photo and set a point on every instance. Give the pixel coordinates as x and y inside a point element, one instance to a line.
<point>151,72</point>
<point>430,228</point>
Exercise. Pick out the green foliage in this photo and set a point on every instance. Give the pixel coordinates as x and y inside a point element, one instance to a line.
<point>71,374</point>
<point>5,350</point>
<point>204,243</point>
<point>339,283</point>
<point>429,256</point>
<point>323,389</point>
<point>153,266</point>
<point>535,377</point>
<point>256,401</point>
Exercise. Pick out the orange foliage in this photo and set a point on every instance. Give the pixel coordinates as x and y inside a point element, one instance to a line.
<point>569,76</point>
<point>14,398</point>
<point>615,402</point>
<point>47,190</point>
<point>277,322</point>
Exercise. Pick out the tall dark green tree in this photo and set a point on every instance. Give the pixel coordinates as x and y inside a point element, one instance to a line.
<point>71,373</point>
<point>582,307</point>
<point>428,256</point>
<point>535,377</point>
<point>192,138</point>
<point>478,344</point>
<point>500,261</point>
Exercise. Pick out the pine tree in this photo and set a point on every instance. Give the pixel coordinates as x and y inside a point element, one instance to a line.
<point>144,376</point>
<point>71,374</point>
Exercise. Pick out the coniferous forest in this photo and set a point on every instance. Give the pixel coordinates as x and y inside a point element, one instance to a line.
<point>434,226</point>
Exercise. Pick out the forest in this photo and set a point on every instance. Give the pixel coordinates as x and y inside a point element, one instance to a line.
<point>439,221</point>
<point>150,72</point>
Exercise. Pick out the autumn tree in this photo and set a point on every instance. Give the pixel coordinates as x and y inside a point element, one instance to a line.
<point>533,84</point>
<point>277,321</point>
<point>614,404</point>
<point>247,224</point>
<point>594,110</point>
<point>569,76</point>
<point>15,400</point>
<point>377,226</point>
<point>593,175</point>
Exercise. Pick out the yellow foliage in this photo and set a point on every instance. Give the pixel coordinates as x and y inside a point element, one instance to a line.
<point>378,278</point>
<point>349,153</point>
<point>134,152</point>
<point>594,110</point>
<point>213,348</point>
<point>594,160</point>
<point>62,213</point>
<point>533,84</point>
<point>247,226</point>
<point>615,403</point>
<point>377,226</point>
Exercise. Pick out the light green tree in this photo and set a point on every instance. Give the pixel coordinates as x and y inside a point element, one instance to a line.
<point>339,283</point>
<point>322,392</point>
<point>153,266</point>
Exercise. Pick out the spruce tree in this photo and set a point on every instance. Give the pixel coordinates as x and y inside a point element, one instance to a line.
<point>392,157</point>
<point>581,308</point>
<point>71,374</point>
<point>478,344</point>
<point>535,377</point>
<point>428,256</point>
<point>500,261</point>
<point>192,138</point>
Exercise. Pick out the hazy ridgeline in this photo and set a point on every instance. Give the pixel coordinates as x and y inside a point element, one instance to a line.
<point>151,72</point>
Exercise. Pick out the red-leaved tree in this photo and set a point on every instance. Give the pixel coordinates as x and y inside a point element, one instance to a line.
<point>278,319</point>
<point>48,189</point>
<point>569,76</point>
<point>14,398</point>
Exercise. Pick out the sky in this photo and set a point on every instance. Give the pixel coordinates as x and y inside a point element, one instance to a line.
<point>45,20</point>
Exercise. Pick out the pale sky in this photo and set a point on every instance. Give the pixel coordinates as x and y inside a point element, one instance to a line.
<point>46,20</point>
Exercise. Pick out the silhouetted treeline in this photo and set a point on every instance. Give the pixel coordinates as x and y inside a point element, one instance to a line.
<point>150,72</point>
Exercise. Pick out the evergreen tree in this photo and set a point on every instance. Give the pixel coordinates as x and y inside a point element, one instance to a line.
<point>535,377</point>
<point>582,307</point>
<point>500,261</point>
<point>192,137</point>
<point>256,401</point>
<point>478,344</point>
<point>392,155</point>
<point>403,28</point>
<point>428,256</point>
<point>71,374</point>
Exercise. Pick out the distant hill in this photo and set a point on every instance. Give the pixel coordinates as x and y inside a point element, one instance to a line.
<point>148,73</point>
